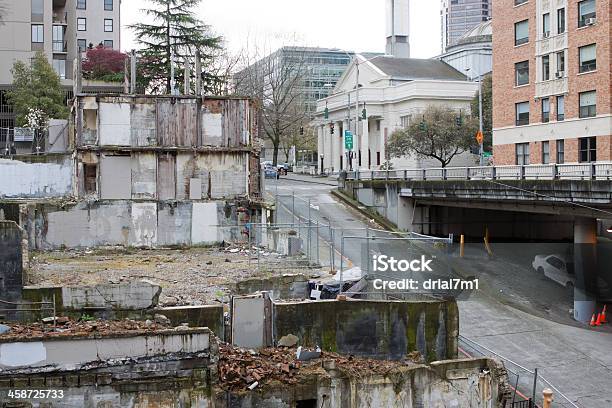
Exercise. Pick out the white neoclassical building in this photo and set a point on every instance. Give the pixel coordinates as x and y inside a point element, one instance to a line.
<point>393,91</point>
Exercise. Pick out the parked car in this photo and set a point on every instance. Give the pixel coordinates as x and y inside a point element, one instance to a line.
<point>271,173</point>
<point>282,170</point>
<point>557,268</point>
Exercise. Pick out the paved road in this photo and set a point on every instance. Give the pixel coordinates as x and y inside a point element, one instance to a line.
<point>577,360</point>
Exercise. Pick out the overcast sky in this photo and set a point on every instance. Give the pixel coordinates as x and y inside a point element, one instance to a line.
<point>357,25</point>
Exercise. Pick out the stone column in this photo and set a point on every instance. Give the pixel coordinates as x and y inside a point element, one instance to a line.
<point>365,139</point>
<point>585,268</point>
<point>320,146</point>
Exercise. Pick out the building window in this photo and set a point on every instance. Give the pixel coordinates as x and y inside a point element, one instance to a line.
<point>545,110</point>
<point>38,33</point>
<point>560,151</point>
<point>60,68</point>
<point>522,154</point>
<point>108,44</point>
<point>81,24</point>
<point>405,121</point>
<point>522,73</point>
<point>586,13</point>
<point>38,8</point>
<point>546,25</point>
<point>81,4</point>
<point>108,25</point>
<point>561,21</point>
<point>560,108</point>
<point>58,39</point>
<point>82,45</point>
<point>560,64</point>
<point>588,149</point>
<point>522,113</point>
<point>545,152</point>
<point>108,5</point>
<point>588,104</point>
<point>521,32</point>
<point>588,58</point>
<point>546,67</point>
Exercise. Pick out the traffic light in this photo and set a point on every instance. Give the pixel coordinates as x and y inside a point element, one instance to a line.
<point>326,113</point>
<point>331,128</point>
<point>301,130</point>
<point>459,120</point>
<point>423,126</point>
<point>364,114</point>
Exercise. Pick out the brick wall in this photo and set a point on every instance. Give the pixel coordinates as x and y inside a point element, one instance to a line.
<point>505,55</point>
<point>600,79</point>
<point>504,155</point>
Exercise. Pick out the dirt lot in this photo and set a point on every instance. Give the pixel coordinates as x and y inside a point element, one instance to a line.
<point>191,276</point>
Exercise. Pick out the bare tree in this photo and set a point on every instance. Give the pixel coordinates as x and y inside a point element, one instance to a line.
<point>276,82</point>
<point>218,76</point>
<point>441,134</point>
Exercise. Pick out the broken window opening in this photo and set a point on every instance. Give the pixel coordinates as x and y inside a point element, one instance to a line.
<point>90,172</point>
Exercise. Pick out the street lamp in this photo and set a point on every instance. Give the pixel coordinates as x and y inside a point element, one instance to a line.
<point>480,124</point>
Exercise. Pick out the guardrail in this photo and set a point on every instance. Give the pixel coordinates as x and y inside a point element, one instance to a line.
<point>582,171</point>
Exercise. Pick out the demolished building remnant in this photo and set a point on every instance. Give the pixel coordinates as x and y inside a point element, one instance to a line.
<point>142,171</point>
<point>108,364</point>
<point>11,268</point>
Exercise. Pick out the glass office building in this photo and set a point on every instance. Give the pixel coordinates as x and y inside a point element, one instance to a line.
<point>460,16</point>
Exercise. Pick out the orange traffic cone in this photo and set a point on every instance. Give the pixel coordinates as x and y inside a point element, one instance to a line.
<point>604,318</point>
<point>598,322</point>
<point>593,321</point>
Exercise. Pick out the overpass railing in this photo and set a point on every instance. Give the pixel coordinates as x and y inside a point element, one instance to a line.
<point>582,171</point>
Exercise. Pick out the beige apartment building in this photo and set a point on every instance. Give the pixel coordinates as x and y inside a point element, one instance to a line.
<point>59,28</point>
<point>552,81</point>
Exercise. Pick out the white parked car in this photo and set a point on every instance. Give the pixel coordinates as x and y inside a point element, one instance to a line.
<point>555,267</point>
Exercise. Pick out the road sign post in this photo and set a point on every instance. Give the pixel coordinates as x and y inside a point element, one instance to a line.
<point>348,140</point>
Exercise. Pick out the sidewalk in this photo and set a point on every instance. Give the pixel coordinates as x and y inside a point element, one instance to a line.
<point>303,178</point>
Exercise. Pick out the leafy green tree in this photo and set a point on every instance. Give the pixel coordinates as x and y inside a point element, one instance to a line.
<point>487,111</point>
<point>174,29</point>
<point>440,134</point>
<point>37,87</point>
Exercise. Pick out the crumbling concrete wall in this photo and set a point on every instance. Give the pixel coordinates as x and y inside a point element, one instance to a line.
<point>49,179</point>
<point>376,329</point>
<point>164,369</point>
<point>11,266</point>
<point>128,223</point>
<point>478,383</point>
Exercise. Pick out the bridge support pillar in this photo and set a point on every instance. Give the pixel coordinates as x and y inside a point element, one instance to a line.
<point>585,268</point>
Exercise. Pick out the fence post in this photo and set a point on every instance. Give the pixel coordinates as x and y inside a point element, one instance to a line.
<point>522,172</point>
<point>424,174</point>
<point>547,398</point>
<point>555,171</point>
<point>494,173</point>
<point>535,384</point>
<point>593,171</point>
<point>367,250</point>
<point>444,173</point>
<point>405,174</point>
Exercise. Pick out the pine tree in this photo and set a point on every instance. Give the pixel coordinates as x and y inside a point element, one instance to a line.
<point>175,29</point>
<point>37,87</point>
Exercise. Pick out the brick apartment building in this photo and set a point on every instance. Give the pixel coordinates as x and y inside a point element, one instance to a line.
<point>552,81</point>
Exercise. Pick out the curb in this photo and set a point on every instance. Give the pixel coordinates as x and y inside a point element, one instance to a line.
<point>310,181</point>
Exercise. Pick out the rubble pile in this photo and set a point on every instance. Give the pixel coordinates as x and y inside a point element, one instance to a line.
<point>67,327</point>
<point>248,369</point>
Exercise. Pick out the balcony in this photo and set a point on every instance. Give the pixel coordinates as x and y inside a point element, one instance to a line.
<point>60,47</point>
<point>557,86</point>
<point>59,3</point>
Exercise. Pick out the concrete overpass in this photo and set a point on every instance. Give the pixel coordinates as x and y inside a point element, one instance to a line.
<point>538,203</point>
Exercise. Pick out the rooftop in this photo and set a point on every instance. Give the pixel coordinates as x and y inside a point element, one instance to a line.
<point>409,69</point>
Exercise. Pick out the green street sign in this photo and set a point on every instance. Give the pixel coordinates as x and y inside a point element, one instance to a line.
<point>348,140</point>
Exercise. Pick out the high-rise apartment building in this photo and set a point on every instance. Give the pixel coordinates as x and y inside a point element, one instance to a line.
<point>460,16</point>
<point>552,81</point>
<point>59,29</point>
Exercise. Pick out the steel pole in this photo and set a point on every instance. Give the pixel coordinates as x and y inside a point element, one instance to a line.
<point>356,140</point>
<point>480,119</point>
